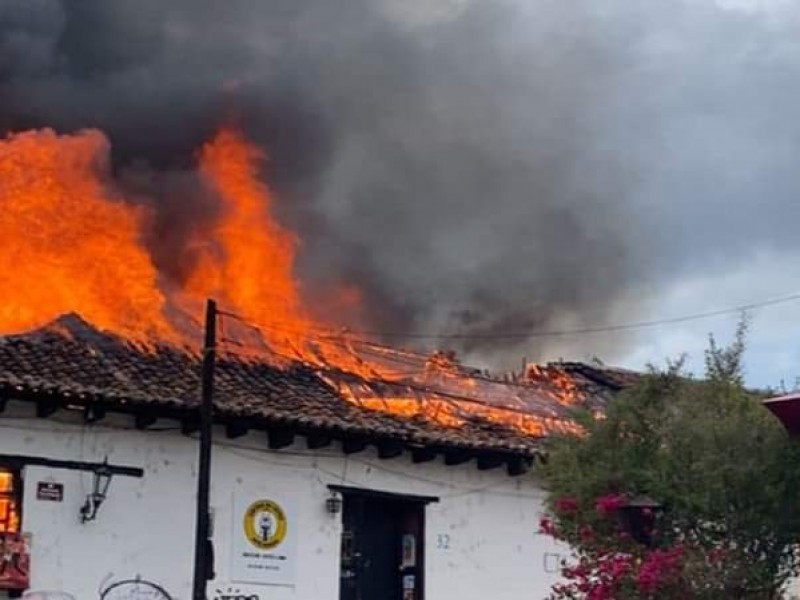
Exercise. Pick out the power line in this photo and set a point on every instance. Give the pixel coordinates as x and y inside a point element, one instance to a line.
<point>534,334</point>
<point>430,391</point>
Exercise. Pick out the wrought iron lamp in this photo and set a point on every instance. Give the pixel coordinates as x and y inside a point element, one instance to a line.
<point>639,517</point>
<point>100,485</point>
<point>333,504</point>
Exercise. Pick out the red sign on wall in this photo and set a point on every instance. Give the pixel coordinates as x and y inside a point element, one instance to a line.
<point>14,561</point>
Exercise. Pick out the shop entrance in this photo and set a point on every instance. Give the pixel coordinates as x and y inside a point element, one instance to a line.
<point>382,555</point>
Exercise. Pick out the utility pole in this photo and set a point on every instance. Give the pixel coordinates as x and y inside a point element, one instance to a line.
<point>203,549</point>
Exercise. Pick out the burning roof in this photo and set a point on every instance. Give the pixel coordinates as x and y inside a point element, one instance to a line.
<point>72,364</point>
<point>80,246</point>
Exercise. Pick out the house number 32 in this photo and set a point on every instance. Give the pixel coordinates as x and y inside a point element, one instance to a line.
<point>443,541</point>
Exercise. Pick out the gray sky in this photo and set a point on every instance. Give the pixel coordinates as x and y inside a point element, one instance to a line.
<point>722,180</point>
<point>475,167</point>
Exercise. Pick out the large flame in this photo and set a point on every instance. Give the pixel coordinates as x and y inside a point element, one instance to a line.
<point>72,244</point>
<point>68,244</point>
<point>249,260</point>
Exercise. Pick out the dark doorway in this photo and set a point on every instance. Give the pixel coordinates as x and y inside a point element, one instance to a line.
<point>382,546</point>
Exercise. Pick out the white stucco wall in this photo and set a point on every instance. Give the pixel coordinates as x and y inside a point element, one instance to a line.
<point>481,538</point>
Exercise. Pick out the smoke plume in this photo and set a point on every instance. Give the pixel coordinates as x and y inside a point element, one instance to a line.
<point>473,167</point>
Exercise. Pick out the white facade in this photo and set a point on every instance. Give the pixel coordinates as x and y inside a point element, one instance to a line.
<point>481,538</point>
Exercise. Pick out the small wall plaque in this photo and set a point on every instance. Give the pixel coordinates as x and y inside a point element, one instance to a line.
<point>49,491</point>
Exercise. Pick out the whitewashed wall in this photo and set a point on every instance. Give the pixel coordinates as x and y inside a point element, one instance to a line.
<point>481,538</point>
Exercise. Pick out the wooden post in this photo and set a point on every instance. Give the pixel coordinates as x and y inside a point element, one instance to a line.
<point>203,550</point>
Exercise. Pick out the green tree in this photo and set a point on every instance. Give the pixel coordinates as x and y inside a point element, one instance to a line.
<point>724,469</point>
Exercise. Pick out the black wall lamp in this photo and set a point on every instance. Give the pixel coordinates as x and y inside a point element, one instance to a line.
<point>333,504</point>
<point>639,517</point>
<point>100,485</point>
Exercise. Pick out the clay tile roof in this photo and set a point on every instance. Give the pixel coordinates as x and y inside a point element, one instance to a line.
<point>70,362</point>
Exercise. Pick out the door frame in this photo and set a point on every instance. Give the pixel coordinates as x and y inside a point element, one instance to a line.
<point>421,503</point>
<point>372,493</point>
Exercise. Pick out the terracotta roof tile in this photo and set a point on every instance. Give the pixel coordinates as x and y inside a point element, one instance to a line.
<point>76,361</point>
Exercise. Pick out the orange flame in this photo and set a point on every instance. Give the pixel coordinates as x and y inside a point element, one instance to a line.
<point>562,387</point>
<point>248,264</point>
<point>70,244</point>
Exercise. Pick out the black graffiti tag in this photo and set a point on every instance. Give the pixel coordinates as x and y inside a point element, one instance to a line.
<point>233,593</point>
<point>134,589</point>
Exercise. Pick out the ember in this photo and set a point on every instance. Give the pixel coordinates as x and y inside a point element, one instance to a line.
<point>77,246</point>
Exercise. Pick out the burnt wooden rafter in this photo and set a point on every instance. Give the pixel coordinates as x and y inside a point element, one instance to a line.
<point>453,458</point>
<point>389,449</point>
<point>423,455</point>
<point>236,429</point>
<point>279,437</point>
<point>518,465</point>
<point>353,445</point>
<point>93,414</point>
<point>144,419</point>
<point>190,426</point>
<point>316,441</point>
<point>46,408</point>
<point>489,461</point>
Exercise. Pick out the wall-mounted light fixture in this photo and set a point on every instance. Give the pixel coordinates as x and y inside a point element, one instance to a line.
<point>333,504</point>
<point>100,484</point>
<point>639,516</point>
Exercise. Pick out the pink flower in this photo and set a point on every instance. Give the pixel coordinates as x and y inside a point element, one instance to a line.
<point>566,506</point>
<point>608,504</point>
<point>586,533</point>
<point>547,527</point>
<point>658,568</point>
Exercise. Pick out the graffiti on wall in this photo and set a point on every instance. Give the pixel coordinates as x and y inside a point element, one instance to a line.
<point>233,593</point>
<point>134,589</point>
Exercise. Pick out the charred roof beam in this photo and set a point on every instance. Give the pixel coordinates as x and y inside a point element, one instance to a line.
<point>423,455</point>
<point>145,419</point>
<point>279,437</point>
<point>93,413</point>
<point>389,449</point>
<point>453,458</point>
<point>236,429</point>
<point>317,441</point>
<point>46,408</point>
<point>518,465</point>
<point>490,461</point>
<point>353,445</point>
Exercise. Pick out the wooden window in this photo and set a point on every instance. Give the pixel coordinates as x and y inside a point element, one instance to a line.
<point>9,501</point>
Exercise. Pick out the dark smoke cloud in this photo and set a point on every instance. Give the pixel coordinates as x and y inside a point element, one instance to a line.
<point>473,166</point>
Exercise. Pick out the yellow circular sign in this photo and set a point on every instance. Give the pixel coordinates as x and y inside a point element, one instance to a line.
<point>264,524</point>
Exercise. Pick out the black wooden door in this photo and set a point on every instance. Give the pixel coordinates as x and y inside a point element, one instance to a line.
<point>372,547</point>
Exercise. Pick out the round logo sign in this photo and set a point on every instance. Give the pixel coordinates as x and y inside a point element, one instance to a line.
<point>264,524</point>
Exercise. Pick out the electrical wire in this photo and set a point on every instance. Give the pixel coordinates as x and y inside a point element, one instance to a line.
<point>431,393</point>
<point>534,334</point>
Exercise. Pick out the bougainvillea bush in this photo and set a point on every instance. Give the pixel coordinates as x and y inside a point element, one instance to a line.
<point>723,472</point>
<point>609,564</point>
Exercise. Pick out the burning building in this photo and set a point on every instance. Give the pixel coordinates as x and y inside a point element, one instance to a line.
<point>424,469</point>
<point>343,467</point>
